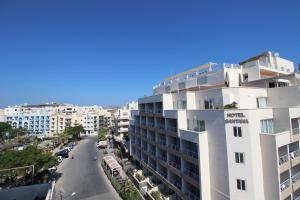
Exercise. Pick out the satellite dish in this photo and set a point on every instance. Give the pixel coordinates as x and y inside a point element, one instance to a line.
<point>276,54</point>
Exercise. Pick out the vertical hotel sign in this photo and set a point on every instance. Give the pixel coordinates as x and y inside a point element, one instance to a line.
<point>236,118</point>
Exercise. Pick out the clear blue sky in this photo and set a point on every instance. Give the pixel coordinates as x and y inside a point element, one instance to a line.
<point>109,52</point>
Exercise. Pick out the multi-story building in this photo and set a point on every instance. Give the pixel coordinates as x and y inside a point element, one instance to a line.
<point>2,116</point>
<point>54,118</point>
<point>223,131</point>
<point>121,120</point>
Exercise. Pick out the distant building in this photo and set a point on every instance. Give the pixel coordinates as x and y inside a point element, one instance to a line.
<point>52,119</point>
<point>223,131</point>
<point>121,120</point>
<point>2,116</point>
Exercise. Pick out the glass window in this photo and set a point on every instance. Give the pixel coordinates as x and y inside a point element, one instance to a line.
<point>237,131</point>
<point>241,184</point>
<point>239,157</point>
<point>267,126</point>
<point>261,102</point>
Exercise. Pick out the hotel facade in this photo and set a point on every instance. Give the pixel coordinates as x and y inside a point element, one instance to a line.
<point>223,131</point>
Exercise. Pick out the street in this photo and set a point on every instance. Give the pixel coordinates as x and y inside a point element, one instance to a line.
<point>83,176</point>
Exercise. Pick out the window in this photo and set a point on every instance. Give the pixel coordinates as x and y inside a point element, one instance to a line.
<point>239,157</point>
<point>196,125</point>
<point>245,77</point>
<point>241,184</point>
<point>237,131</point>
<point>267,126</point>
<point>261,102</point>
<point>209,104</point>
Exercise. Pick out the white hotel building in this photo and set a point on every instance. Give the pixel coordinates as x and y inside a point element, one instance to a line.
<point>186,140</point>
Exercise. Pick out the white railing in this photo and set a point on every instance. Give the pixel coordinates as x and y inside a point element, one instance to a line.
<point>297,198</point>
<point>285,184</point>
<point>296,177</point>
<point>283,159</point>
<point>295,154</point>
<point>296,131</point>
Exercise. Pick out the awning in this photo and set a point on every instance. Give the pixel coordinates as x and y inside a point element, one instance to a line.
<point>111,163</point>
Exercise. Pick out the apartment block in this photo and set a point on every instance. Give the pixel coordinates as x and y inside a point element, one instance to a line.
<point>52,118</point>
<point>122,117</point>
<point>223,131</point>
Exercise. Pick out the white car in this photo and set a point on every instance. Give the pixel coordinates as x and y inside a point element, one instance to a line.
<point>52,169</point>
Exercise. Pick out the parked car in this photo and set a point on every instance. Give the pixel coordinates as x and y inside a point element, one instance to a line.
<point>63,153</point>
<point>52,169</point>
<point>59,159</point>
<point>67,148</point>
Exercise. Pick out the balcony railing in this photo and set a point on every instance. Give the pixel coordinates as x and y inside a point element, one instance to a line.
<point>175,164</point>
<point>297,198</point>
<point>164,174</point>
<point>151,138</point>
<point>158,111</point>
<point>295,154</point>
<point>152,152</point>
<point>296,177</point>
<point>174,146</point>
<point>190,153</point>
<point>150,124</point>
<point>161,141</point>
<point>191,174</point>
<point>191,196</point>
<point>283,159</point>
<point>162,157</point>
<point>160,126</point>
<point>149,111</point>
<point>176,183</point>
<point>296,131</point>
<point>142,110</point>
<point>285,184</point>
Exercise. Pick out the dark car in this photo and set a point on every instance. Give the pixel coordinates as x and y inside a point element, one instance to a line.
<point>64,153</point>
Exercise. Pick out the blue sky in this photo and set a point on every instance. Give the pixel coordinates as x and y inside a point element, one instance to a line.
<point>109,52</point>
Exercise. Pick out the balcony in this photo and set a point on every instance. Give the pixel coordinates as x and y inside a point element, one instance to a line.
<point>151,138</point>
<point>164,174</point>
<point>149,111</point>
<point>296,131</point>
<point>152,152</point>
<point>285,184</point>
<point>162,157</point>
<point>190,153</point>
<point>283,159</point>
<point>160,126</point>
<point>296,177</point>
<point>191,196</point>
<point>176,183</point>
<point>191,174</point>
<point>172,129</point>
<point>161,141</point>
<point>142,111</point>
<point>158,111</point>
<point>175,164</point>
<point>175,147</point>
<point>151,124</point>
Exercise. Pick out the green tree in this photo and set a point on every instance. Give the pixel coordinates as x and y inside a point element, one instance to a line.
<point>233,105</point>
<point>4,128</point>
<point>74,131</point>
<point>102,134</point>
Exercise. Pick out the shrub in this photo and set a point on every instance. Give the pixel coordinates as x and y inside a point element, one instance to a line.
<point>156,195</point>
<point>140,177</point>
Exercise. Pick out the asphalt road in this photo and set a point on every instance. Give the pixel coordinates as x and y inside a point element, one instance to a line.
<point>83,175</point>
